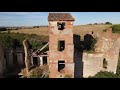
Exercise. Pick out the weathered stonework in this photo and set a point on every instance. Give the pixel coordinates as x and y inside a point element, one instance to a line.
<point>27,56</point>
<point>2,62</point>
<point>107,47</point>
<point>67,54</point>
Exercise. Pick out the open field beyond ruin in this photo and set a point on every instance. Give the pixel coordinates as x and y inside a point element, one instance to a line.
<point>79,30</point>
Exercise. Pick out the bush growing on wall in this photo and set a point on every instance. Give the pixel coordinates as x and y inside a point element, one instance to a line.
<point>116,28</point>
<point>91,48</point>
<point>105,74</point>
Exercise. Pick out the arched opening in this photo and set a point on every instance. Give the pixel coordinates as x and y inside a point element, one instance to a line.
<point>92,32</point>
<point>105,63</point>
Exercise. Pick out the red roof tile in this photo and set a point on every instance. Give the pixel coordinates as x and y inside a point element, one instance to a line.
<point>60,17</point>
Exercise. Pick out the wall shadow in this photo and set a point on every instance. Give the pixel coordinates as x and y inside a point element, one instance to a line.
<point>79,47</point>
<point>88,40</point>
<point>78,54</point>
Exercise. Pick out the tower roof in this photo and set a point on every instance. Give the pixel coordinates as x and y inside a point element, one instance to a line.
<point>60,17</point>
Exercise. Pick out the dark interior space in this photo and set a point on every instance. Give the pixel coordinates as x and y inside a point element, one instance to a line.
<point>61,65</point>
<point>35,61</point>
<point>15,59</point>
<point>61,45</point>
<point>88,41</point>
<point>104,63</point>
<point>44,60</point>
<point>61,25</point>
<point>92,32</point>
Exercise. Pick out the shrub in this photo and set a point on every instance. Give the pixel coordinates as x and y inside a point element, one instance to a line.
<point>91,48</point>
<point>36,73</point>
<point>116,28</point>
<point>104,74</point>
<point>68,76</point>
<point>108,23</point>
<point>104,30</point>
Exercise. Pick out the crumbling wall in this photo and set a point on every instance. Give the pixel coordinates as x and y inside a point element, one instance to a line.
<point>27,55</point>
<point>2,61</point>
<point>20,56</point>
<point>9,58</point>
<point>92,63</point>
<point>112,56</point>
<point>105,40</point>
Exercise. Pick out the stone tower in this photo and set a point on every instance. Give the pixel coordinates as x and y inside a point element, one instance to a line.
<point>61,47</point>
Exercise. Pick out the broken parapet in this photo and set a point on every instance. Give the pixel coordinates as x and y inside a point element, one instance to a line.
<point>27,56</point>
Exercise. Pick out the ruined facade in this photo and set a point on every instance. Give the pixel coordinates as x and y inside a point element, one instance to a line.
<point>2,62</point>
<point>107,52</point>
<point>66,54</point>
<point>14,57</point>
<point>61,47</point>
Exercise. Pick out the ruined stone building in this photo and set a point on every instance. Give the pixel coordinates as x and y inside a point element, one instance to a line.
<point>61,47</point>
<point>66,56</point>
<point>105,57</point>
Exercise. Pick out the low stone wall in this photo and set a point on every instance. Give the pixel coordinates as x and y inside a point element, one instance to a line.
<point>92,63</point>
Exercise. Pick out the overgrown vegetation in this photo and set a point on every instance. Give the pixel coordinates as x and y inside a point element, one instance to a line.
<point>116,28</point>
<point>104,30</point>
<point>105,74</point>
<point>36,73</point>
<point>14,40</point>
<point>40,72</point>
<point>68,76</point>
<point>91,46</point>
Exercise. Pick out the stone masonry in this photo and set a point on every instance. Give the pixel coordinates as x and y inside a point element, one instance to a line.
<point>107,47</point>
<point>56,35</point>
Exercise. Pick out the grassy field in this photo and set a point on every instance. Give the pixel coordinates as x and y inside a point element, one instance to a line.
<point>79,30</point>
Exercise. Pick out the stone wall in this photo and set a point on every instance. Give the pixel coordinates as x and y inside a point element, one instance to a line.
<point>92,63</point>
<point>67,54</point>
<point>2,61</point>
<point>107,47</point>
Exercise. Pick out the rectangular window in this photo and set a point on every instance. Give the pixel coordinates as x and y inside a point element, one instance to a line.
<point>61,25</point>
<point>61,65</point>
<point>44,60</point>
<point>61,45</point>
